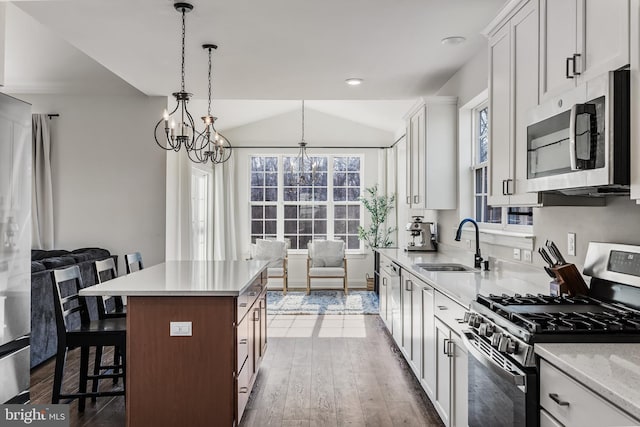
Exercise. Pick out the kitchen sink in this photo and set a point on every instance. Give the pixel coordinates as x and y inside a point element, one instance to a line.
<point>457,268</point>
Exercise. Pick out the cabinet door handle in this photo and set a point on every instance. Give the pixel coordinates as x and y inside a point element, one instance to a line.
<point>243,390</point>
<point>445,346</point>
<point>416,199</point>
<point>408,286</point>
<point>555,398</point>
<point>575,72</point>
<point>408,200</point>
<point>243,304</point>
<point>256,315</point>
<point>442,307</point>
<point>504,191</point>
<point>460,320</point>
<point>509,191</point>
<point>566,69</point>
<point>252,294</point>
<point>384,281</point>
<point>243,341</point>
<point>451,348</point>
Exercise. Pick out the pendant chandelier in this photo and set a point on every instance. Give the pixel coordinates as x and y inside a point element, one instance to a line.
<point>211,144</point>
<point>176,129</point>
<point>302,167</point>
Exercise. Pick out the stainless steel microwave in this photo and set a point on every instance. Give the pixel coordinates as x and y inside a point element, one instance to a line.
<point>578,143</point>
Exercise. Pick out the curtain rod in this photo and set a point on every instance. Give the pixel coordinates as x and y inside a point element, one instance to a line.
<point>310,147</point>
<point>52,115</point>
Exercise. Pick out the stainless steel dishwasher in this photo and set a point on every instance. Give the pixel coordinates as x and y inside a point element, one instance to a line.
<point>390,299</point>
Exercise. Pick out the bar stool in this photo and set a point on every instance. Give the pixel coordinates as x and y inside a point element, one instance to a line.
<point>133,262</point>
<point>75,329</point>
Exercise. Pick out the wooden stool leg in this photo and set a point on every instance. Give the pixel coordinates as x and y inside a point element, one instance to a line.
<point>96,371</point>
<point>61,358</point>
<point>84,370</point>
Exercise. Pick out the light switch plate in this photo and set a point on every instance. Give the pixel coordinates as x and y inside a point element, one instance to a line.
<point>571,244</point>
<point>180,329</point>
<point>526,255</point>
<point>516,254</point>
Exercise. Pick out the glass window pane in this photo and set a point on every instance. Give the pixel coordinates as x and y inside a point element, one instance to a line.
<point>479,208</point>
<point>290,211</point>
<point>353,227</point>
<point>257,179</point>
<point>305,227</point>
<point>340,211</point>
<point>339,164</point>
<point>270,227</point>
<point>293,241</point>
<point>340,227</point>
<point>320,212</point>
<point>353,242</point>
<point>320,194</point>
<point>483,134</point>
<point>271,194</point>
<point>291,194</point>
<point>320,226</point>
<point>291,227</point>
<point>354,180</point>
<point>494,215</point>
<point>254,238</point>
<point>290,179</point>
<point>321,179</point>
<point>354,163</point>
<point>303,241</point>
<point>354,194</point>
<point>306,212</point>
<point>319,237</point>
<point>341,237</point>
<point>270,212</point>
<point>257,227</point>
<point>321,163</point>
<point>305,194</point>
<point>257,194</point>
<point>257,163</point>
<point>271,179</point>
<point>354,212</point>
<point>339,179</point>
<point>485,182</point>
<point>520,216</point>
<point>271,164</point>
<point>256,212</point>
<point>478,181</point>
<point>340,194</point>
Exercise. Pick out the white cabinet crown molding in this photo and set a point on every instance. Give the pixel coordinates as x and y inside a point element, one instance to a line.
<point>427,100</point>
<point>505,14</point>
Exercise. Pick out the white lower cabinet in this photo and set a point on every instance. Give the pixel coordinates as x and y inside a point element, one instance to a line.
<point>460,390</point>
<point>546,420</point>
<point>442,400</point>
<point>572,404</point>
<point>428,378</point>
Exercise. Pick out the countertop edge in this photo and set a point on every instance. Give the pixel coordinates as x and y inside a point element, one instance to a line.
<point>607,393</point>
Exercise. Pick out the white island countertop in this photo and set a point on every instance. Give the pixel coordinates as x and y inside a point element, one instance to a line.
<point>183,278</point>
<point>610,370</point>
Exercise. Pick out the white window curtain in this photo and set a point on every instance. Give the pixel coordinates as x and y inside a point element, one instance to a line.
<point>42,192</point>
<point>225,234</point>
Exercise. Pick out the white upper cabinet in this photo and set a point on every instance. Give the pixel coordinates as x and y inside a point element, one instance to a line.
<point>431,154</point>
<point>579,40</point>
<point>513,91</point>
<point>635,95</point>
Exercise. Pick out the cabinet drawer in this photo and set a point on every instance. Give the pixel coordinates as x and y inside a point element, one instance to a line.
<point>249,296</point>
<point>573,404</point>
<point>547,420</point>
<point>243,383</point>
<point>449,311</point>
<point>242,345</point>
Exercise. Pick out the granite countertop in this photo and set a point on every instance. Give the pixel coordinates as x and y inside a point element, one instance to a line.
<point>184,278</point>
<point>610,370</point>
<point>462,287</point>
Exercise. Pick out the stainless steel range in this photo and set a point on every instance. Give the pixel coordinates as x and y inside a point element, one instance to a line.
<point>503,330</point>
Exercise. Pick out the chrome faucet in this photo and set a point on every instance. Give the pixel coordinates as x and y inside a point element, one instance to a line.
<point>477,260</point>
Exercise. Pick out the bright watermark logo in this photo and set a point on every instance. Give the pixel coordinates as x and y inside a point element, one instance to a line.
<point>34,415</point>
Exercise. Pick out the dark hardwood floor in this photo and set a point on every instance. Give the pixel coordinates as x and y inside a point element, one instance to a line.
<point>318,371</point>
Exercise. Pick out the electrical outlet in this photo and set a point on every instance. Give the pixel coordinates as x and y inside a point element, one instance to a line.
<point>516,254</point>
<point>571,244</point>
<point>180,329</point>
<point>468,242</point>
<point>526,254</point>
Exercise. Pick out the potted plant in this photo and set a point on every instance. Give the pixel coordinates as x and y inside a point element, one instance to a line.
<point>376,235</point>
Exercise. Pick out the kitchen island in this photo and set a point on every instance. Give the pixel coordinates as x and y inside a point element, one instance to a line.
<point>196,334</point>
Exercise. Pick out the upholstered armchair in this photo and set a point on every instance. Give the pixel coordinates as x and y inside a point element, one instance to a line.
<point>274,251</point>
<point>326,260</point>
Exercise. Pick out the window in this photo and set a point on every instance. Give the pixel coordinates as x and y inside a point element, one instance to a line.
<point>324,206</point>
<point>483,212</point>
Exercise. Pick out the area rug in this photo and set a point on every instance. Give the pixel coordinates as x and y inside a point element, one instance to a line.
<point>322,302</point>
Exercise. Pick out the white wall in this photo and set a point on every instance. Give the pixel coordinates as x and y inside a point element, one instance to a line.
<point>108,173</point>
<point>323,130</point>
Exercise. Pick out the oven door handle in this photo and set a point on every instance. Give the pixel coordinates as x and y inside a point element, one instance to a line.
<point>519,380</point>
<point>573,153</point>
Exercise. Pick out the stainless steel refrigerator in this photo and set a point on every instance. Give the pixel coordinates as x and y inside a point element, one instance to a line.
<point>15,248</point>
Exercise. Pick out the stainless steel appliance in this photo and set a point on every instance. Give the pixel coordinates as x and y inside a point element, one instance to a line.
<point>578,143</point>
<point>503,330</point>
<point>423,235</point>
<point>15,245</point>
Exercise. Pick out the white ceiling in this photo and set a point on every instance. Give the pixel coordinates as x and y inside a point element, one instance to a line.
<point>269,50</point>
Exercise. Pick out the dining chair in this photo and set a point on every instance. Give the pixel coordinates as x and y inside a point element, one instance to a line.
<point>326,260</point>
<point>133,262</point>
<point>109,307</point>
<point>75,329</point>
<point>274,251</point>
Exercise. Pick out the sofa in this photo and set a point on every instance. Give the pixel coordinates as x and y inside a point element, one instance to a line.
<point>44,339</point>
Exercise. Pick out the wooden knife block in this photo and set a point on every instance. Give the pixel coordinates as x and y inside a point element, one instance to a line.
<point>570,280</point>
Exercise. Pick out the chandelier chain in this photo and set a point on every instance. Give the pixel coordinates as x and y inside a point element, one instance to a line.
<point>209,107</point>
<point>183,37</point>
<point>303,120</point>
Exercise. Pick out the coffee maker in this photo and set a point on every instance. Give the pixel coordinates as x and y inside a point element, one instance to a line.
<point>423,235</point>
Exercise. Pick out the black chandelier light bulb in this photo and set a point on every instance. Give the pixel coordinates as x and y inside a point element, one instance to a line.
<point>176,129</point>
<point>210,144</point>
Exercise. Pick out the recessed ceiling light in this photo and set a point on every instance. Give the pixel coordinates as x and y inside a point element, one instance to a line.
<point>453,40</point>
<point>354,81</point>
